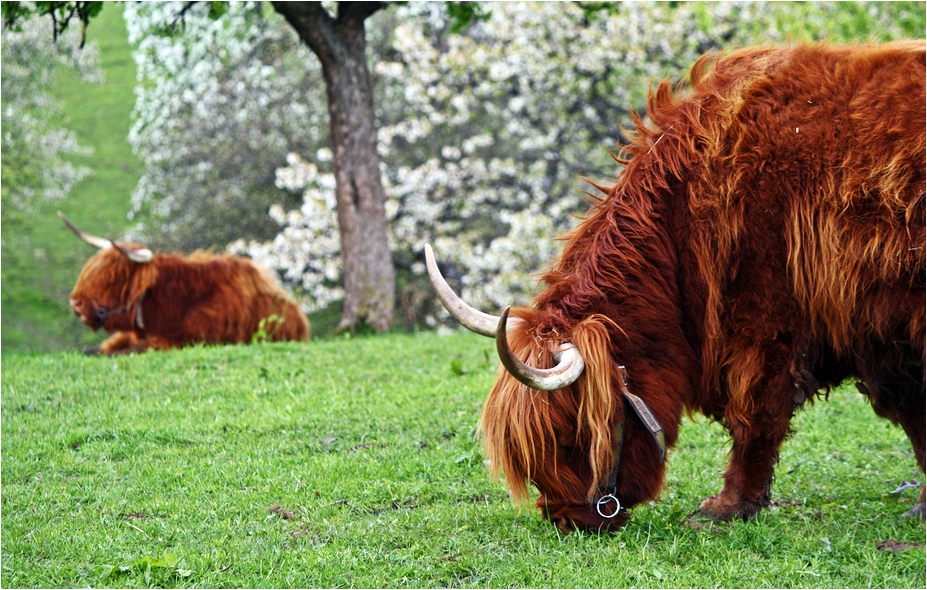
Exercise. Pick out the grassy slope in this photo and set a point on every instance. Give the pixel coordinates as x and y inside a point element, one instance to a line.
<point>41,258</point>
<point>352,462</point>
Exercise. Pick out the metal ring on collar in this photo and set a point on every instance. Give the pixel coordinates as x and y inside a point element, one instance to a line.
<point>604,500</point>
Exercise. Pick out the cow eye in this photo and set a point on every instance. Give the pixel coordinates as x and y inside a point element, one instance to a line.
<point>101,313</point>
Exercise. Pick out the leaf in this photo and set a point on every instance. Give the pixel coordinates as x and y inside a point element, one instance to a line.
<point>465,458</point>
<point>456,367</point>
<point>464,13</point>
<point>166,561</point>
<point>106,571</point>
<point>217,9</point>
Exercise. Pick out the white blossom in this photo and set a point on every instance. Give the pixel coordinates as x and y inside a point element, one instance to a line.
<point>482,135</point>
<point>33,147</point>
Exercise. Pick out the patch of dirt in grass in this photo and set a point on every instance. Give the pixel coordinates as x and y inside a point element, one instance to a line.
<point>395,506</point>
<point>138,516</point>
<point>784,503</point>
<point>281,512</point>
<point>892,545</point>
<point>478,499</point>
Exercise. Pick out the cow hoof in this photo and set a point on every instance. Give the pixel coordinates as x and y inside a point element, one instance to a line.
<point>95,351</point>
<point>716,508</point>
<point>917,511</point>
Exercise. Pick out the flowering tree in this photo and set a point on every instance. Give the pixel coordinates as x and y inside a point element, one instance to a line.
<point>36,174</point>
<point>32,147</point>
<point>340,42</point>
<point>484,134</point>
<point>218,107</point>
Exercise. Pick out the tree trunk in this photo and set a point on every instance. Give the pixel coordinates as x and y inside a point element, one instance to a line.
<point>340,44</point>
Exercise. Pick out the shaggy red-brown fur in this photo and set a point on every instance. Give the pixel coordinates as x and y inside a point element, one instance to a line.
<point>201,298</point>
<point>765,241</point>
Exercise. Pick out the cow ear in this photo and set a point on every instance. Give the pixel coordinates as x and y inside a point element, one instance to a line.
<point>141,256</point>
<point>144,277</point>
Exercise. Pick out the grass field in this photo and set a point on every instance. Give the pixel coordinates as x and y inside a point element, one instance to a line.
<point>41,259</point>
<point>353,463</point>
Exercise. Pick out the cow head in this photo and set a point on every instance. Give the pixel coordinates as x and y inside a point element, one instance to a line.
<point>563,429</point>
<point>111,283</point>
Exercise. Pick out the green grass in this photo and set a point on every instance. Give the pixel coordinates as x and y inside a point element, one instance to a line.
<point>352,463</point>
<point>41,258</point>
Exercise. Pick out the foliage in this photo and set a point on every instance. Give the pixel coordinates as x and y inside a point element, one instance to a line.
<point>486,121</point>
<point>463,14</point>
<point>267,328</point>
<point>45,159</point>
<point>219,107</point>
<point>33,149</point>
<point>483,134</point>
<point>60,13</point>
<point>352,462</point>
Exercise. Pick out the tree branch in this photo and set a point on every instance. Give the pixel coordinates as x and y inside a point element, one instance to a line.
<point>313,24</point>
<point>181,17</point>
<point>357,11</point>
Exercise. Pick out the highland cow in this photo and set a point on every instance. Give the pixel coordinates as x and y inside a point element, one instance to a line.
<point>151,300</point>
<point>764,243</point>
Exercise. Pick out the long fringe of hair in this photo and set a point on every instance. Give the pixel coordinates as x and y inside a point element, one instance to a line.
<point>524,429</point>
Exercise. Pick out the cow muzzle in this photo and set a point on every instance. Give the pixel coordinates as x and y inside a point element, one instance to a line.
<point>583,517</point>
<point>87,312</point>
<point>570,364</point>
<point>79,309</point>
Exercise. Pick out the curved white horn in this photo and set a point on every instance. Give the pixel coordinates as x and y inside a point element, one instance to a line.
<point>141,256</point>
<point>100,243</point>
<point>472,319</point>
<point>569,367</point>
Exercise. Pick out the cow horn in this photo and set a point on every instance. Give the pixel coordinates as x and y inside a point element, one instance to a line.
<point>141,256</point>
<point>569,367</point>
<point>100,243</point>
<point>471,319</point>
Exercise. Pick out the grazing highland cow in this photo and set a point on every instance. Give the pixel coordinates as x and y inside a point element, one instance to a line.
<point>765,242</point>
<point>161,301</point>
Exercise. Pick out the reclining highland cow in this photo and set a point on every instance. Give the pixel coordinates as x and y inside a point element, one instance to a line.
<point>147,300</point>
<point>765,242</point>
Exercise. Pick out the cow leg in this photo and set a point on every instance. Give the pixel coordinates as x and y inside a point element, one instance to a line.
<point>901,400</point>
<point>158,343</point>
<point>119,343</point>
<point>154,343</point>
<point>914,426</point>
<point>755,451</point>
<point>130,342</point>
<point>918,509</point>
